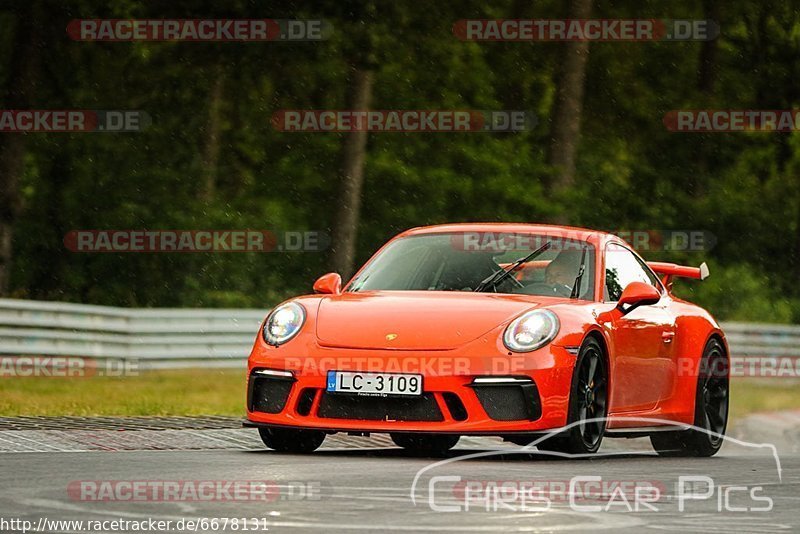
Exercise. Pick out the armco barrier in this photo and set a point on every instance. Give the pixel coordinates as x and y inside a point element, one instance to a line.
<point>156,337</point>
<point>178,337</point>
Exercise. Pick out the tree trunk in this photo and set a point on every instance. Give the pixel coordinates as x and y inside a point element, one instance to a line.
<point>706,84</point>
<point>12,152</point>
<point>565,127</point>
<point>22,77</point>
<point>345,229</point>
<point>707,75</point>
<point>213,131</point>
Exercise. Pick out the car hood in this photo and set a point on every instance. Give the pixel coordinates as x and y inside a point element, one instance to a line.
<point>413,320</point>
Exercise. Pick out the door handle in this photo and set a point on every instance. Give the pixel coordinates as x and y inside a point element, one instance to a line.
<point>666,337</point>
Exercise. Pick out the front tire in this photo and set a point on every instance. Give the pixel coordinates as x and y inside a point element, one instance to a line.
<point>712,398</point>
<point>587,401</point>
<point>426,443</point>
<point>291,440</point>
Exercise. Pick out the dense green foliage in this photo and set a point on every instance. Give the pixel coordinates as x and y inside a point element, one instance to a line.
<point>633,174</point>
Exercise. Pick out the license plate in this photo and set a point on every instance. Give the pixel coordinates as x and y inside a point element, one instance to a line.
<point>374,384</point>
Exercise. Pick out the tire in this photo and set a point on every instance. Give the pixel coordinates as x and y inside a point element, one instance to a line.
<point>712,397</point>
<point>426,443</point>
<point>588,399</point>
<point>291,440</point>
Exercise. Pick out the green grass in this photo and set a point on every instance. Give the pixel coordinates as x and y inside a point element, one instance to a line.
<point>763,395</point>
<point>222,392</point>
<point>174,392</point>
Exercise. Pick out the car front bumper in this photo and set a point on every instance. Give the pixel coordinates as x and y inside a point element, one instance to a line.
<point>467,394</point>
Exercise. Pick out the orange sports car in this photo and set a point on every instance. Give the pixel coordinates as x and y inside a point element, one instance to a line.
<point>512,330</point>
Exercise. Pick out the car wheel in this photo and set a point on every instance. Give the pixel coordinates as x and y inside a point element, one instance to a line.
<point>291,440</point>
<point>710,410</point>
<point>428,443</point>
<point>587,404</point>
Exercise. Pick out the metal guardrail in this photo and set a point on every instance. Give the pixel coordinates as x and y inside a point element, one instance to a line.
<point>176,337</point>
<point>761,339</point>
<point>158,337</point>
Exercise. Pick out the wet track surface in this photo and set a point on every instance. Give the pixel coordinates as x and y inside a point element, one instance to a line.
<point>360,484</point>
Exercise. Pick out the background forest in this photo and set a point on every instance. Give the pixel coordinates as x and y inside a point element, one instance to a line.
<point>599,156</point>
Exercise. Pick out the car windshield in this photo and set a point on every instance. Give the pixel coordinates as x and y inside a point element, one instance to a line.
<point>461,261</point>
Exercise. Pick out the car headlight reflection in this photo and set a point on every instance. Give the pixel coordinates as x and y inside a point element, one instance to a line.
<point>283,323</point>
<point>531,330</point>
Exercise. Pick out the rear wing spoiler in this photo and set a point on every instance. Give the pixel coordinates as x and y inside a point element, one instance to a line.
<point>667,270</point>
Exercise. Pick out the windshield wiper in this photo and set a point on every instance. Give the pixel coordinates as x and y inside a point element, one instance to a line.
<point>576,286</point>
<point>503,273</point>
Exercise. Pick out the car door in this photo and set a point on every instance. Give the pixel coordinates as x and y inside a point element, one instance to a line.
<point>642,339</point>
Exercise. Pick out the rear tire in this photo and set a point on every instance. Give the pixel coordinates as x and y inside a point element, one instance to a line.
<point>426,443</point>
<point>587,400</point>
<point>710,410</point>
<point>291,440</point>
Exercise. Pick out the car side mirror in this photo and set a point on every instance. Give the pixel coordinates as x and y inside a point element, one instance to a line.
<point>637,294</point>
<point>328,284</point>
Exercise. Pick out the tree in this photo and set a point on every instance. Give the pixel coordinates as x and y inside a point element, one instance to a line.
<point>354,153</point>
<point>709,51</point>
<point>354,148</point>
<point>213,132</point>
<point>565,126</point>
<point>19,93</point>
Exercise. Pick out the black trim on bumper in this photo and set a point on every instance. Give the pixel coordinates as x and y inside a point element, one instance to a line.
<point>515,400</point>
<point>268,393</point>
<point>416,408</point>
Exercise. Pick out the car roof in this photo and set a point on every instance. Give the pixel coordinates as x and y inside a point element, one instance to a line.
<point>566,232</point>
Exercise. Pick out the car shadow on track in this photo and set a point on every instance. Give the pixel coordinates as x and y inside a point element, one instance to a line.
<point>502,455</point>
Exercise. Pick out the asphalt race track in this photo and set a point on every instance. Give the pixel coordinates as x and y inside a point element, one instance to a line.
<point>361,484</point>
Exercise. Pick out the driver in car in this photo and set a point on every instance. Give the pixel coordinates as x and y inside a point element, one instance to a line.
<point>561,272</point>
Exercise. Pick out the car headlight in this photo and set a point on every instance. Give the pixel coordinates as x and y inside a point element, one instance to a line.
<point>283,323</point>
<point>531,330</point>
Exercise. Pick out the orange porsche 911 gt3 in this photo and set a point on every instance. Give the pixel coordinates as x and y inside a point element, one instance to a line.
<point>513,330</point>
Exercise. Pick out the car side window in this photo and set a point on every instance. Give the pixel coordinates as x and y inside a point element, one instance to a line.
<point>622,268</point>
